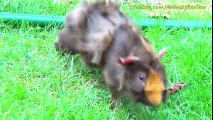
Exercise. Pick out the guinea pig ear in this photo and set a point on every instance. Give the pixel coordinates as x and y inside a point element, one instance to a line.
<point>128,60</point>
<point>161,53</point>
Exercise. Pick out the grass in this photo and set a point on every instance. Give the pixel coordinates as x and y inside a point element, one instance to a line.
<point>36,83</point>
<point>48,8</point>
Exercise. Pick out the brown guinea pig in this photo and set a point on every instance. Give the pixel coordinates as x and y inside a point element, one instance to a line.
<point>130,66</point>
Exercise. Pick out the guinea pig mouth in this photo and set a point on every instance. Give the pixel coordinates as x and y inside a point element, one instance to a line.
<point>139,97</point>
<point>143,100</point>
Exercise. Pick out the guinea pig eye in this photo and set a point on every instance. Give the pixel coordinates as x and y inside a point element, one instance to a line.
<point>141,77</point>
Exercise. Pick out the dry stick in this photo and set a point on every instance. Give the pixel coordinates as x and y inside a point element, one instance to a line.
<point>175,88</point>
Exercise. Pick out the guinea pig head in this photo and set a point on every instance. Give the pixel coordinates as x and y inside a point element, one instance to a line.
<point>145,81</point>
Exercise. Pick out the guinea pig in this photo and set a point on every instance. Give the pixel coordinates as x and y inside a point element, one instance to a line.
<point>131,66</point>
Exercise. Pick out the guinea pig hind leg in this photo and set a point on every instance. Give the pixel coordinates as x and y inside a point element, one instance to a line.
<point>97,57</point>
<point>103,45</point>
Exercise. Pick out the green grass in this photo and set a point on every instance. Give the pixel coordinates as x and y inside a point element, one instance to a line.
<point>48,8</point>
<point>36,83</point>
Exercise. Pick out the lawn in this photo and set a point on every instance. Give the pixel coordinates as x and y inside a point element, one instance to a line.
<point>37,83</point>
